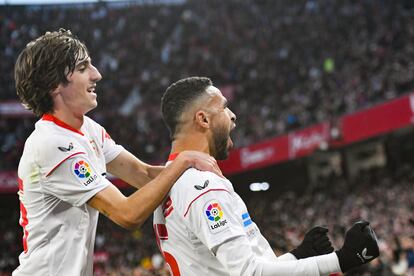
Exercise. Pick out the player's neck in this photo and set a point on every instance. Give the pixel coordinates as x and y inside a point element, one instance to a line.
<point>190,142</point>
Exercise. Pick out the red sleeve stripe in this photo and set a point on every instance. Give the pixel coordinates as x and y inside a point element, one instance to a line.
<point>23,218</point>
<point>55,167</point>
<point>189,205</point>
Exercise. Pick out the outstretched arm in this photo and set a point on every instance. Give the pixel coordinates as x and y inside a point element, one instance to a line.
<point>237,256</point>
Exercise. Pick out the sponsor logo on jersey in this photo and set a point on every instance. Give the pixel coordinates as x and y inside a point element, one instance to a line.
<point>247,223</point>
<point>70,147</point>
<point>83,171</point>
<point>198,187</point>
<point>215,217</point>
<point>246,219</point>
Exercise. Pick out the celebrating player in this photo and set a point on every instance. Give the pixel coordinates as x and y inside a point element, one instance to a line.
<point>62,173</point>
<point>204,228</point>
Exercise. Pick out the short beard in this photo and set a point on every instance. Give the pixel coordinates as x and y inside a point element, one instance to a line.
<point>219,147</point>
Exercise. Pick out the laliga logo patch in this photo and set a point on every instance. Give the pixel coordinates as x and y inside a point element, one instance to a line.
<point>83,171</point>
<point>215,215</point>
<point>214,212</point>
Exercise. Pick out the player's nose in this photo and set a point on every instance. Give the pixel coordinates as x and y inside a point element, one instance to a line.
<point>95,75</point>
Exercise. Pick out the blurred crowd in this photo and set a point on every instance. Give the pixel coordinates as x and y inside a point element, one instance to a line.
<point>381,196</point>
<point>282,64</point>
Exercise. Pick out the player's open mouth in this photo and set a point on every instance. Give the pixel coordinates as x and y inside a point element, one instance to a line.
<point>230,143</point>
<point>91,89</point>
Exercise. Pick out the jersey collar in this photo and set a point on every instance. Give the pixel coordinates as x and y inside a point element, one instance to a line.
<point>51,118</point>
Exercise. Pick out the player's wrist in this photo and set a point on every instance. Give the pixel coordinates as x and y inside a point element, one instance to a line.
<point>346,259</point>
<point>297,253</point>
<point>303,251</point>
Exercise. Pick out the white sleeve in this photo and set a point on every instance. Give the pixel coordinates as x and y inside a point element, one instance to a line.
<point>238,259</point>
<point>207,212</point>
<point>212,219</point>
<point>75,180</point>
<point>287,257</point>
<point>109,147</point>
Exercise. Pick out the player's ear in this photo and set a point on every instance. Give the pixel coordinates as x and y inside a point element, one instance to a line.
<point>56,91</point>
<point>202,119</point>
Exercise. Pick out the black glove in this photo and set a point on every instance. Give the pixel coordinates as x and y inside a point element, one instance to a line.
<point>315,242</point>
<point>360,246</point>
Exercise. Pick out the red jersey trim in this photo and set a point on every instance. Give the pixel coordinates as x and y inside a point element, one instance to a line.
<point>23,218</point>
<point>172,156</point>
<point>55,167</point>
<point>189,205</point>
<point>51,118</point>
<point>172,262</point>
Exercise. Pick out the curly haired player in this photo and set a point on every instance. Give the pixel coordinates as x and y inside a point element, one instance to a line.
<point>62,172</point>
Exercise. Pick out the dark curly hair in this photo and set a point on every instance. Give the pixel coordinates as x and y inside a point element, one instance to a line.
<point>44,64</point>
<point>177,98</point>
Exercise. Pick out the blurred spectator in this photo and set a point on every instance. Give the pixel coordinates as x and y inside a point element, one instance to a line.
<point>282,65</point>
<point>285,65</point>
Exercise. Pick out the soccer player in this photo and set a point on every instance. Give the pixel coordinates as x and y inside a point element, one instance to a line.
<point>204,228</point>
<point>62,172</point>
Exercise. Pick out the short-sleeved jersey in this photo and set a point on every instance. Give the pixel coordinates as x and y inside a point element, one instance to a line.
<point>201,212</point>
<point>60,170</point>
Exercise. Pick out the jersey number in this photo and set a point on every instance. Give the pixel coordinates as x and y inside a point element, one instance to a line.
<point>161,233</point>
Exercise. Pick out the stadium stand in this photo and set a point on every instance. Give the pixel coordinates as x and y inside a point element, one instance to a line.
<point>283,66</point>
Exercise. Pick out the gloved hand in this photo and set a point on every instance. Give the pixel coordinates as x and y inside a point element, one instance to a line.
<point>315,242</point>
<point>360,246</point>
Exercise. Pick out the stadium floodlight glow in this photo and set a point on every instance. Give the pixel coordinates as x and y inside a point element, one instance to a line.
<point>255,187</point>
<point>265,186</point>
<point>259,186</point>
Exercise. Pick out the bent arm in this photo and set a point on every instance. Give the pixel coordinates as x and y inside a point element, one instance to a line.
<point>132,170</point>
<point>131,212</point>
<point>236,255</point>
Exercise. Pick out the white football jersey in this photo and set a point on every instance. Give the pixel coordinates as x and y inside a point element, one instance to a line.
<point>201,212</point>
<point>203,228</point>
<point>60,170</point>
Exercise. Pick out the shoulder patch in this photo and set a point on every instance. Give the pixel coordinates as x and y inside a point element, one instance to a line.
<point>215,217</point>
<point>83,171</point>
